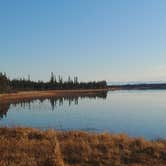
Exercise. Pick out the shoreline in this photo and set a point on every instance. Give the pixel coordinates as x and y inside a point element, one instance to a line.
<point>34,94</point>
<point>6,97</point>
<point>12,96</point>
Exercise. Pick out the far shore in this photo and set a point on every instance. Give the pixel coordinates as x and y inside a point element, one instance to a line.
<point>5,97</point>
<point>142,86</point>
<point>12,96</point>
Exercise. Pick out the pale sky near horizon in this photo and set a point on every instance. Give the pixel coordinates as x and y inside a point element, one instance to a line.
<point>116,40</point>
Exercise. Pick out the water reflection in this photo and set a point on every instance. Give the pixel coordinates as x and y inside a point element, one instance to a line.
<point>55,101</point>
<point>3,109</point>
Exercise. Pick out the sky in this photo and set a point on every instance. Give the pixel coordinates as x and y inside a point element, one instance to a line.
<point>113,40</point>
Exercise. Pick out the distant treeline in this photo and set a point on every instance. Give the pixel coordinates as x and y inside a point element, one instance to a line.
<point>22,84</point>
<point>155,86</point>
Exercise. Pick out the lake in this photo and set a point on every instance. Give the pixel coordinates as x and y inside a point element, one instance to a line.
<point>136,113</point>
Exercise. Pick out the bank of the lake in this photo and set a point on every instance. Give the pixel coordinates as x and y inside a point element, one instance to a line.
<point>5,97</point>
<point>12,96</point>
<point>32,147</point>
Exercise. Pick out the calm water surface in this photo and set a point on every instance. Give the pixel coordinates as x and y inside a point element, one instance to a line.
<point>136,113</point>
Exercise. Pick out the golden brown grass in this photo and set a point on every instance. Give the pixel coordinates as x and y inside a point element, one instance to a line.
<point>6,97</point>
<point>31,147</point>
<point>80,148</point>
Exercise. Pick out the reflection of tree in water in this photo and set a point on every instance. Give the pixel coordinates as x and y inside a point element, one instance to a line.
<point>73,99</point>
<point>55,101</point>
<point>60,100</point>
<point>4,107</point>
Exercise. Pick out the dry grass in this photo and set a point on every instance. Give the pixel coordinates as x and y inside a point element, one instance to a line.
<point>80,148</point>
<point>30,147</point>
<point>7,97</point>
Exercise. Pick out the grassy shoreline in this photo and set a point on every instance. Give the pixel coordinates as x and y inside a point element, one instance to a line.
<point>39,94</point>
<point>32,147</point>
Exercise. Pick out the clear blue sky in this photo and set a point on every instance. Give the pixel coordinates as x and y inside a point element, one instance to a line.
<point>116,40</point>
